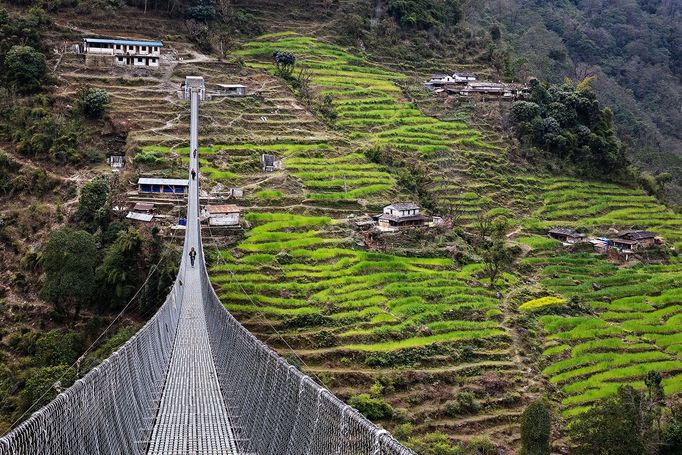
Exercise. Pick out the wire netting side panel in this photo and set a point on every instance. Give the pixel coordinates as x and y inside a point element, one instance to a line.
<point>276,409</point>
<point>110,410</point>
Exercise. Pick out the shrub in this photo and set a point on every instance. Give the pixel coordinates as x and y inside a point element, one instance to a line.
<point>44,384</point>
<point>56,348</point>
<point>535,428</point>
<point>481,445</point>
<point>464,403</point>
<point>435,443</point>
<point>93,102</point>
<point>372,408</point>
<point>25,69</point>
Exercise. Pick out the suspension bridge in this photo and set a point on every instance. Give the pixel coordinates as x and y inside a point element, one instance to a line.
<point>194,381</point>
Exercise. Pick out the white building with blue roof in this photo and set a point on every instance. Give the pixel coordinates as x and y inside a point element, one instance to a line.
<point>137,53</point>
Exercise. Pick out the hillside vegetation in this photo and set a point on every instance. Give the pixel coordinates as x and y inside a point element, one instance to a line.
<point>477,335</point>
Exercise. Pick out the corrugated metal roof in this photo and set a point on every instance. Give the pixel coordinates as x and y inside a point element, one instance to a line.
<point>403,206</point>
<point>155,181</point>
<point>123,41</point>
<point>223,208</point>
<point>144,206</point>
<point>231,85</point>
<point>140,216</point>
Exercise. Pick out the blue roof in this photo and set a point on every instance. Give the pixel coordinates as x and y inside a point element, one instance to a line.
<point>123,41</point>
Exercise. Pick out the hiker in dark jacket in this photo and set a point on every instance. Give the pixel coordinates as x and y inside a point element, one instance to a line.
<point>192,256</point>
<point>194,174</point>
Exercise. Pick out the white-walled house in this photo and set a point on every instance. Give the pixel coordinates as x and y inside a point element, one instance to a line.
<point>136,53</point>
<point>400,214</point>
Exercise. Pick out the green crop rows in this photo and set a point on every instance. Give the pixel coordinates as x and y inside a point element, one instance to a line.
<point>631,324</point>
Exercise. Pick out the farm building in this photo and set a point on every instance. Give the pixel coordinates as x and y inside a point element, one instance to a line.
<point>135,53</point>
<point>116,161</point>
<point>401,214</point>
<point>231,90</point>
<point>235,193</point>
<point>223,215</point>
<point>642,239</point>
<point>269,162</point>
<point>144,207</point>
<point>565,235</point>
<point>464,77</point>
<point>137,216</point>
<point>509,91</point>
<point>154,185</point>
<point>444,80</point>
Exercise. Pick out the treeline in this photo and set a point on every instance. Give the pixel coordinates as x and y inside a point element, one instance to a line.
<point>567,122</point>
<point>634,48</point>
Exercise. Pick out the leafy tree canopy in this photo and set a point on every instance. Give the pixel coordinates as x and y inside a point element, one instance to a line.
<point>424,14</point>
<point>569,123</point>
<point>93,102</point>
<point>25,68</point>
<point>69,261</point>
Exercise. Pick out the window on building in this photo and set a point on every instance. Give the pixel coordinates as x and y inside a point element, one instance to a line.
<point>120,59</point>
<point>139,60</point>
<point>143,48</point>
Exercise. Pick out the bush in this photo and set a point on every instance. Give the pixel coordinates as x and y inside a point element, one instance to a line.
<point>464,403</point>
<point>372,408</point>
<point>481,445</point>
<point>536,424</point>
<point>93,102</point>
<point>57,348</point>
<point>25,69</point>
<point>44,384</point>
<point>435,443</point>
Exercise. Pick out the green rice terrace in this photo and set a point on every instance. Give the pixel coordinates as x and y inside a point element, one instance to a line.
<point>425,339</point>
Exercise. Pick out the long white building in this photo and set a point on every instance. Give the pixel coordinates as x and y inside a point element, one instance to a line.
<point>139,53</point>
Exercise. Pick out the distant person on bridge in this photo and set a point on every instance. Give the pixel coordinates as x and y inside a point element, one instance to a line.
<point>194,174</point>
<point>195,153</point>
<point>192,255</point>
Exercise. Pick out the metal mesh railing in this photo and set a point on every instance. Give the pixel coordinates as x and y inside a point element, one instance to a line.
<point>276,409</point>
<point>111,409</point>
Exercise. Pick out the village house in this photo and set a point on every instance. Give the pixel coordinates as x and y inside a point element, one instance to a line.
<point>135,53</point>
<point>156,185</point>
<point>639,239</point>
<point>566,236</point>
<point>223,215</point>
<point>193,83</point>
<point>443,80</point>
<point>116,161</point>
<point>496,89</point>
<point>400,214</point>
<point>231,90</point>
<point>269,162</point>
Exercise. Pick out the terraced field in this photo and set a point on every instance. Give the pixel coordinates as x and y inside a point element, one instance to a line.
<point>372,109</point>
<point>610,325</point>
<point>598,206</point>
<point>358,319</point>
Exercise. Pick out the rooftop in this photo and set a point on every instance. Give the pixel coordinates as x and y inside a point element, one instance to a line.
<point>156,181</point>
<point>566,231</point>
<point>223,208</point>
<point>123,41</point>
<point>146,217</point>
<point>403,206</point>
<point>231,85</point>
<point>637,235</point>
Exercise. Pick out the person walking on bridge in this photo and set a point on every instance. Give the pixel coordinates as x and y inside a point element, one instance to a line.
<point>192,256</point>
<point>194,174</point>
<point>195,153</point>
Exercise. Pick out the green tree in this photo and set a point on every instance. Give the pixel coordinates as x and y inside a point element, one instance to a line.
<point>57,347</point>
<point>496,256</point>
<point>93,102</point>
<point>92,203</point>
<point>26,69</point>
<point>119,273</point>
<point>372,408</point>
<point>69,261</point>
<point>536,426</point>
<point>663,179</point>
<point>284,62</point>
<point>612,427</point>
<point>44,384</point>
